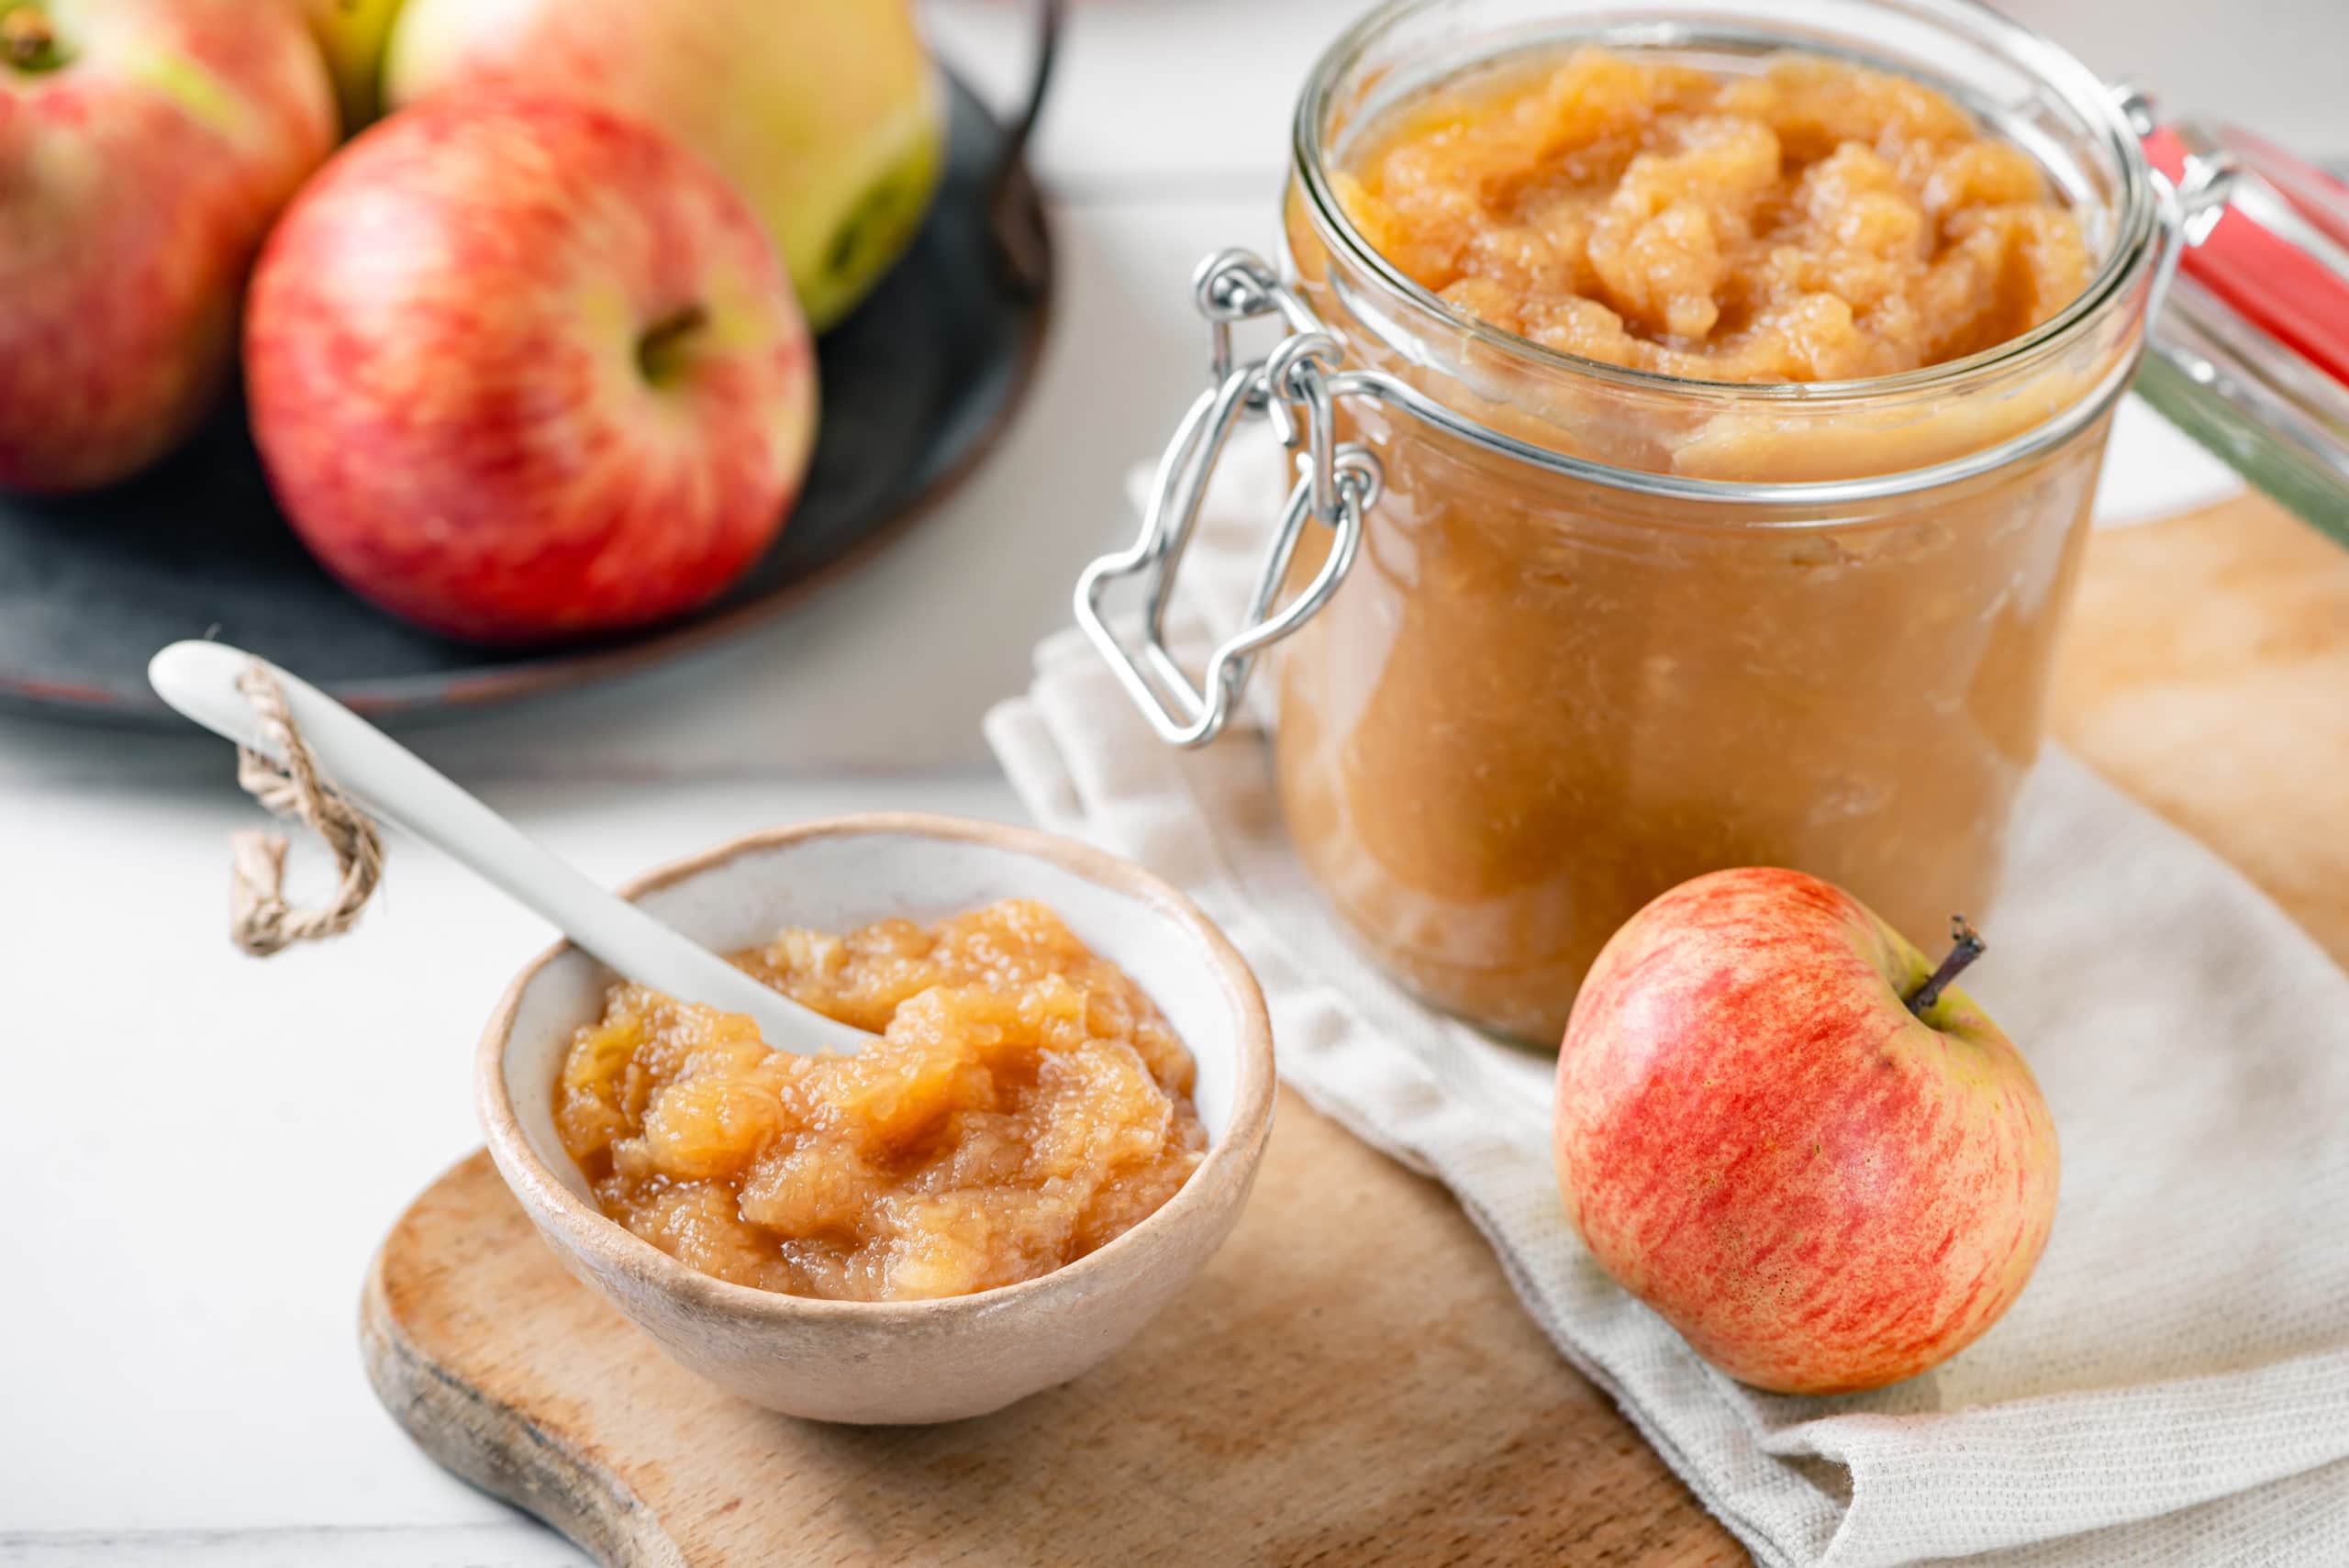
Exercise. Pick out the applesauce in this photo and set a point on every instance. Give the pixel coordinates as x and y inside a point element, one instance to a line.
<point>1698,413</point>
<point>1813,220</point>
<point>1026,1105</point>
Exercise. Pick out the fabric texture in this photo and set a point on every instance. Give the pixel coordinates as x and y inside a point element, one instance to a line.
<point>2174,1384</point>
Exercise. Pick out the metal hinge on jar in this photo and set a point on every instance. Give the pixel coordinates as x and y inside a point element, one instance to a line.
<point>1292,388</point>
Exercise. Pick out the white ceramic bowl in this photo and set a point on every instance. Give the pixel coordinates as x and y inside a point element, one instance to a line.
<point>916,1360</point>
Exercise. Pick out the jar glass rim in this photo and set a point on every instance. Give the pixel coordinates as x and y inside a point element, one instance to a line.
<point>2137,227</point>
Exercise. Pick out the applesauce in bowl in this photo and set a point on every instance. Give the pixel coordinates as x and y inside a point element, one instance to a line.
<point>1024,1104</point>
<point>967,1212</point>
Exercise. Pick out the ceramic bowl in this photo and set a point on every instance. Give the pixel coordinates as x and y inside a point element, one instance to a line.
<point>915,1360</point>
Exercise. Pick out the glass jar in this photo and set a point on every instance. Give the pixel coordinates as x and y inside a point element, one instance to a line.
<point>1567,633</point>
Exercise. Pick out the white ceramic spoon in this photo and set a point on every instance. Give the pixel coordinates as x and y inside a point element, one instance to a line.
<point>199,679</point>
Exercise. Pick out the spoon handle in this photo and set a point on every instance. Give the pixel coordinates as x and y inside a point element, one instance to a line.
<point>199,679</point>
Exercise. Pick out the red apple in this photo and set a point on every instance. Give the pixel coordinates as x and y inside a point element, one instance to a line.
<point>144,147</point>
<point>520,369</point>
<point>1822,1189</point>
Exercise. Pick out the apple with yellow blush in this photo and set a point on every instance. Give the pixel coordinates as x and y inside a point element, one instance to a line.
<point>520,369</point>
<point>1784,1129</point>
<point>145,147</point>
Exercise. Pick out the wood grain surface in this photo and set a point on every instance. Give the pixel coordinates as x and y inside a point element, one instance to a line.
<point>2207,673</point>
<point>1350,1381</point>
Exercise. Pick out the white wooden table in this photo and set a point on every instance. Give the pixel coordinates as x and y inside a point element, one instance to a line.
<point>203,1150</point>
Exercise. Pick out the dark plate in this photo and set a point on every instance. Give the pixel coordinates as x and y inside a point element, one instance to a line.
<point>916,384</point>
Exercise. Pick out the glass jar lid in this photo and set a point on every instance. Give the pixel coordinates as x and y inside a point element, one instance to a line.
<point>2249,354</point>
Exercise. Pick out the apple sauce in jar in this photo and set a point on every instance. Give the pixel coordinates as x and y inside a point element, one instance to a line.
<point>1534,710</point>
<point>1698,418</point>
<point>1809,221</point>
<point>1026,1104</point>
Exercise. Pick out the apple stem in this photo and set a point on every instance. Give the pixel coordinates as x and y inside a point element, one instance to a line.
<point>28,40</point>
<point>657,352</point>
<point>1970,946</point>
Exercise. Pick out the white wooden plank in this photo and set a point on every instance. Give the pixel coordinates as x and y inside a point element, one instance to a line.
<point>2273,65</point>
<point>204,1148</point>
<point>1164,91</point>
<point>1154,93</point>
<point>519,1544</point>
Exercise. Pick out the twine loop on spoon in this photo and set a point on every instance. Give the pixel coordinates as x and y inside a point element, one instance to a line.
<point>261,920</point>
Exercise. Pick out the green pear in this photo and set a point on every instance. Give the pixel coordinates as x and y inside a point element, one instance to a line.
<point>826,114</point>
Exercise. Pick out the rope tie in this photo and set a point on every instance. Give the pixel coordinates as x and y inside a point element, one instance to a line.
<point>261,920</point>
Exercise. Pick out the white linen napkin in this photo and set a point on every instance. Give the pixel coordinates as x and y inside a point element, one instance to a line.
<point>2173,1386</point>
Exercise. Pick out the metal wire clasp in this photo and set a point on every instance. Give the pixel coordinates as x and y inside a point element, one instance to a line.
<point>1290,387</point>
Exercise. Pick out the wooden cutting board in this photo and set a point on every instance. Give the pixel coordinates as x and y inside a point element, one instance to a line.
<point>1350,1381</point>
